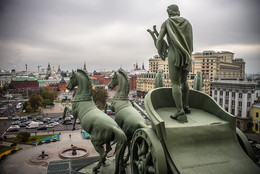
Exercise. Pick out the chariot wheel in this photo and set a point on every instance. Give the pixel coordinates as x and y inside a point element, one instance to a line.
<point>147,153</point>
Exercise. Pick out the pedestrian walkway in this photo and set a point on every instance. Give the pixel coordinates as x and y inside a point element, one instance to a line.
<point>17,162</point>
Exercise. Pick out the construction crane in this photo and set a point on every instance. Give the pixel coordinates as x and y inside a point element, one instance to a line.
<point>39,68</point>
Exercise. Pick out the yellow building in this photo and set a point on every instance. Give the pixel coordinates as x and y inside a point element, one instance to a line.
<point>218,65</point>
<point>145,81</point>
<point>255,113</point>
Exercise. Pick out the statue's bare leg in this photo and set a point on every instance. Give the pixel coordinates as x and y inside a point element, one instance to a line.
<point>175,76</point>
<point>185,91</point>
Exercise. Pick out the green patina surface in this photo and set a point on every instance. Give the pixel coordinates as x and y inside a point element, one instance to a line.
<point>103,129</point>
<point>126,116</point>
<point>158,79</point>
<point>207,143</point>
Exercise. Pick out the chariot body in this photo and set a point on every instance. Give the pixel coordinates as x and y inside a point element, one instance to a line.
<point>208,143</point>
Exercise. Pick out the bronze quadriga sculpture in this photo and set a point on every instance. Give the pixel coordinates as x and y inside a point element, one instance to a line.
<point>126,116</point>
<point>102,128</point>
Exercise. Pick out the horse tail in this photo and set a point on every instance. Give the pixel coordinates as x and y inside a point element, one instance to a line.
<point>121,140</point>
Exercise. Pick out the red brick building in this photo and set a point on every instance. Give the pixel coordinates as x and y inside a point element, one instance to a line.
<point>19,83</point>
<point>133,82</point>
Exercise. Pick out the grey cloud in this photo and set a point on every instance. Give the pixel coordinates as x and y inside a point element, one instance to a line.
<point>68,32</point>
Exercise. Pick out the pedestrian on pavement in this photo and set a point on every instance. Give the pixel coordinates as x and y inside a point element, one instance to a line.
<point>70,136</point>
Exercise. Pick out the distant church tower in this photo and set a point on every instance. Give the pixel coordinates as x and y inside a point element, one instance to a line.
<point>48,72</point>
<point>59,70</point>
<point>136,65</point>
<point>85,67</point>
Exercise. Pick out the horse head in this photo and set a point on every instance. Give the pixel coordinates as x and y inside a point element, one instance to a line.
<point>120,79</point>
<point>72,82</point>
<point>114,81</point>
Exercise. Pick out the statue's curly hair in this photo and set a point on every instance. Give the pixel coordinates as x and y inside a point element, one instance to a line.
<point>173,10</point>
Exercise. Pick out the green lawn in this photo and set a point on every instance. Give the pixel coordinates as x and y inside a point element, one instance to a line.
<point>38,111</point>
<point>32,139</point>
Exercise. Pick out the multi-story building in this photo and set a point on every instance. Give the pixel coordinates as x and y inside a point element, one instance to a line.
<point>255,113</point>
<point>236,97</point>
<point>145,81</point>
<point>25,83</point>
<point>218,65</point>
<point>156,63</point>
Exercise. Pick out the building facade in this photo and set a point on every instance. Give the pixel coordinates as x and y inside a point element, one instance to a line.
<point>236,97</point>
<point>145,81</point>
<point>255,113</point>
<point>25,83</point>
<point>218,65</point>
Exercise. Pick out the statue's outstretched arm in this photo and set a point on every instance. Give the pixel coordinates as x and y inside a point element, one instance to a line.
<point>160,43</point>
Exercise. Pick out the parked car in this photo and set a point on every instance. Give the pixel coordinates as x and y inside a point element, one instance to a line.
<point>15,118</point>
<point>56,119</point>
<point>51,125</point>
<point>42,128</point>
<point>40,123</point>
<point>13,128</point>
<point>16,122</point>
<point>33,125</point>
<point>39,117</point>
<point>23,124</point>
<point>24,119</point>
<point>67,119</point>
<point>257,146</point>
<point>45,120</point>
<point>109,112</point>
<point>68,123</point>
<point>55,123</point>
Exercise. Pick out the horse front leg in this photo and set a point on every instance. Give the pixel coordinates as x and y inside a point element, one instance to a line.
<point>102,157</point>
<point>64,113</point>
<point>74,122</point>
<point>128,153</point>
<point>108,149</point>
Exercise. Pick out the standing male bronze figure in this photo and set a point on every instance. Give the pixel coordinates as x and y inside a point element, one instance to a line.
<point>180,46</point>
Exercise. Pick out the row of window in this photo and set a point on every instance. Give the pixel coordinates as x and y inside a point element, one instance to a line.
<point>233,94</point>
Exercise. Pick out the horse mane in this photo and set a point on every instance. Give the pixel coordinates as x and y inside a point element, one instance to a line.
<point>88,77</point>
<point>127,79</point>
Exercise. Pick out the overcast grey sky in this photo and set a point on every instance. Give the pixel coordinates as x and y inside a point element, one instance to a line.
<point>108,34</point>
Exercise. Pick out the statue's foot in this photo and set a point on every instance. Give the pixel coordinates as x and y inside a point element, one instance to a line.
<point>95,170</point>
<point>177,114</point>
<point>186,109</point>
<point>105,164</point>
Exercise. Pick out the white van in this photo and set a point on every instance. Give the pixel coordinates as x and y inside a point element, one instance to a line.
<point>33,125</point>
